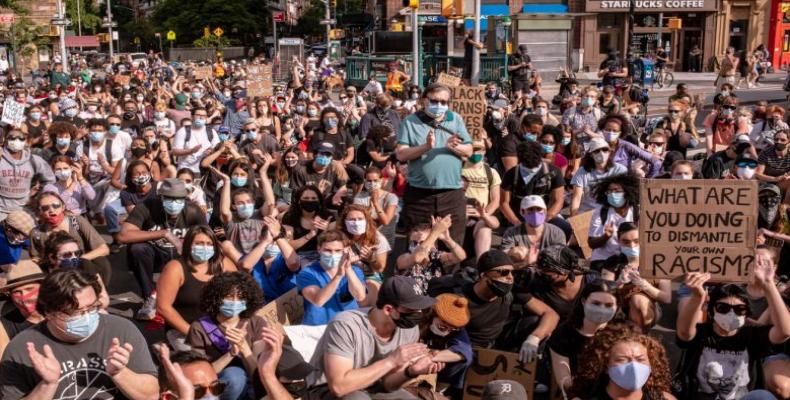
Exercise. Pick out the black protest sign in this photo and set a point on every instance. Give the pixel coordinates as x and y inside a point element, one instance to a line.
<point>470,102</point>
<point>697,226</point>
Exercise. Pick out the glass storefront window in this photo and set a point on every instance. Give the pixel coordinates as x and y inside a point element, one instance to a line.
<point>608,21</point>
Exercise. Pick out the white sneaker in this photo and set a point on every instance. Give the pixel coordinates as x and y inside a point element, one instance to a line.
<point>148,311</point>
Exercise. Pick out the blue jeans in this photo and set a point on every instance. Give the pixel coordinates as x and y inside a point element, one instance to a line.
<point>111,217</point>
<point>237,385</point>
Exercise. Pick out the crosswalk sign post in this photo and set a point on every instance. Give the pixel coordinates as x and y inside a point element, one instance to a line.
<point>218,32</point>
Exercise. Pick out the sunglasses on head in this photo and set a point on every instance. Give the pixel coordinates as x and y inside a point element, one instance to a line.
<point>738,309</point>
<point>216,388</point>
<point>47,207</point>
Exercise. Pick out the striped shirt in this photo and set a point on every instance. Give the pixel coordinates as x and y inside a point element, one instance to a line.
<point>775,165</point>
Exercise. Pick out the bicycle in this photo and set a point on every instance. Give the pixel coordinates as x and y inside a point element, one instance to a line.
<point>664,77</point>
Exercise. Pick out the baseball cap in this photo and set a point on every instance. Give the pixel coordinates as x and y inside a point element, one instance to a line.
<point>181,101</point>
<point>405,292</point>
<point>499,104</point>
<point>173,187</point>
<point>493,259</point>
<point>21,221</point>
<point>742,138</point>
<point>325,147</point>
<point>532,201</point>
<point>504,390</point>
<point>597,143</point>
<point>223,129</point>
<point>769,187</point>
<point>746,156</point>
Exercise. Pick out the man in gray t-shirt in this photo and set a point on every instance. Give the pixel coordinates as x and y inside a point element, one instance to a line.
<point>372,354</point>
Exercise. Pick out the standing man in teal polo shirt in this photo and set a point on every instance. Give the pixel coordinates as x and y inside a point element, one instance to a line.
<point>434,142</point>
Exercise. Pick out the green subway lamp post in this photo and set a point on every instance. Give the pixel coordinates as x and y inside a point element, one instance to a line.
<point>506,22</point>
<point>421,24</point>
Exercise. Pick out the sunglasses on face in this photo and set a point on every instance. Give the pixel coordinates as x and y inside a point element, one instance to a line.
<point>657,143</point>
<point>47,207</point>
<point>70,254</point>
<point>599,151</point>
<point>16,138</point>
<point>724,308</point>
<point>250,130</point>
<point>674,111</point>
<point>729,107</point>
<point>216,388</point>
<point>751,165</point>
<point>442,102</point>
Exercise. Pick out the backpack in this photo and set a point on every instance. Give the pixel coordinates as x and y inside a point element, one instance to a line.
<point>209,133</point>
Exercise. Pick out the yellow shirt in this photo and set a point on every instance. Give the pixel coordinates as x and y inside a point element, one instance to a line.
<point>478,182</point>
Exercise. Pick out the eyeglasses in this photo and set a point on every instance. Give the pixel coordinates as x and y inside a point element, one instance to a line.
<point>729,107</point>
<point>70,254</point>
<point>502,272</point>
<point>744,164</point>
<point>78,313</point>
<point>738,309</point>
<point>216,388</point>
<point>47,207</point>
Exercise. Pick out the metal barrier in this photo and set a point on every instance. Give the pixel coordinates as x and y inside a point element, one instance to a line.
<point>359,68</point>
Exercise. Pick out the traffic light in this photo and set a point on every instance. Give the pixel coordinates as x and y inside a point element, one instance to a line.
<point>411,3</point>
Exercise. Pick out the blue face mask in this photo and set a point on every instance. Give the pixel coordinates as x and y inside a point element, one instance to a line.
<point>630,376</point>
<point>75,262</point>
<point>245,210</point>
<point>199,122</point>
<point>587,102</point>
<point>238,181</point>
<point>323,160</point>
<point>616,199</point>
<point>252,135</point>
<point>436,110</point>
<point>97,136</point>
<point>83,326</point>
<point>63,142</point>
<point>566,141</point>
<point>223,137</point>
<point>531,137</point>
<point>232,308</point>
<point>114,129</point>
<point>547,148</point>
<point>330,123</point>
<point>329,260</point>
<point>272,250</point>
<point>630,252</point>
<point>173,206</point>
<point>202,253</point>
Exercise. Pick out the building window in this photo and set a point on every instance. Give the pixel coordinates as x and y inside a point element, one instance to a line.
<point>608,41</point>
<point>608,21</point>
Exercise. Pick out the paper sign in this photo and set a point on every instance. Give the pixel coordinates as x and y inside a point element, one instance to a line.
<point>697,226</point>
<point>449,80</point>
<point>259,81</point>
<point>13,112</point>
<point>287,309</point>
<point>491,365</point>
<point>470,102</point>
<point>581,229</point>
<point>203,72</point>
<point>123,79</point>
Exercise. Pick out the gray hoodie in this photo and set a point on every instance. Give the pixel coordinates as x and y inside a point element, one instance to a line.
<point>16,177</point>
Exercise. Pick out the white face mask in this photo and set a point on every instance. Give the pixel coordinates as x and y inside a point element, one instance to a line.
<point>436,330</point>
<point>745,172</point>
<point>356,227</point>
<point>729,322</point>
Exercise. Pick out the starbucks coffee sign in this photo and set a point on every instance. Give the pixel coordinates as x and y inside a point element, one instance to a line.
<point>651,5</point>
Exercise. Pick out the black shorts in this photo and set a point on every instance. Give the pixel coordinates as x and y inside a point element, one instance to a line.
<point>519,84</point>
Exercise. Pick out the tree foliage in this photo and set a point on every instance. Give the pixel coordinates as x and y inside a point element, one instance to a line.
<point>211,41</point>
<point>240,19</point>
<point>91,21</point>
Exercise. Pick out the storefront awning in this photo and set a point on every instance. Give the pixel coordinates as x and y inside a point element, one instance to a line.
<point>82,41</point>
<point>544,9</point>
<point>487,10</point>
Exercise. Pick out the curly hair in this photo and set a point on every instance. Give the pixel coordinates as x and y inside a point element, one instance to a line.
<point>593,362</point>
<point>629,182</point>
<point>227,284</point>
<point>59,127</point>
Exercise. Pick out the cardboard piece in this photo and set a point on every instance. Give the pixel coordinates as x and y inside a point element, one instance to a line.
<point>491,365</point>
<point>123,79</point>
<point>470,103</point>
<point>287,309</point>
<point>447,79</point>
<point>697,226</point>
<point>581,229</point>
<point>13,112</point>
<point>204,72</point>
<point>259,81</point>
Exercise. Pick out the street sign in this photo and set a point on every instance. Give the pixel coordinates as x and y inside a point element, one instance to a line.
<point>328,21</point>
<point>171,35</point>
<point>157,34</point>
<point>7,18</point>
<point>218,32</point>
<point>114,35</point>
<point>206,32</point>
<point>278,16</point>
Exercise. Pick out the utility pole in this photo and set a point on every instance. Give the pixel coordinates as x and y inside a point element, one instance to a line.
<point>109,27</point>
<point>79,20</point>
<point>415,42</point>
<point>475,76</point>
<point>61,22</point>
<point>659,42</point>
<point>328,25</point>
<point>274,34</point>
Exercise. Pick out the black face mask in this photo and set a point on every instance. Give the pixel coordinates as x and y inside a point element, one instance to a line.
<point>138,152</point>
<point>500,289</point>
<point>408,320</point>
<point>296,389</point>
<point>128,115</point>
<point>310,206</point>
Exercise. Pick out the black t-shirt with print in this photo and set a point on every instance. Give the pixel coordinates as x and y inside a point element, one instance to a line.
<point>541,184</point>
<point>150,216</point>
<point>723,367</point>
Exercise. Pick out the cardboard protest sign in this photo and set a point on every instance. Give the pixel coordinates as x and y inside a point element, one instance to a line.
<point>491,365</point>
<point>698,226</point>
<point>581,229</point>
<point>13,112</point>
<point>255,89</point>
<point>449,80</point>
<point>203,72</point>
<point>259,81</point>
<point>123,79</point>
<point>470,102</point>
<point>287,309</point>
